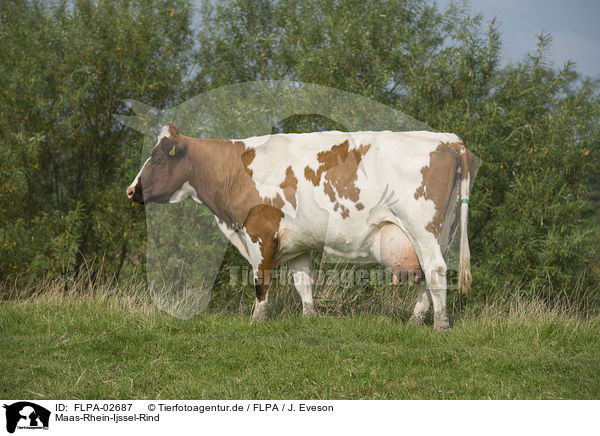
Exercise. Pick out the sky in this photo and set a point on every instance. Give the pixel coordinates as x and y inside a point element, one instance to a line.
<point>573,24</point>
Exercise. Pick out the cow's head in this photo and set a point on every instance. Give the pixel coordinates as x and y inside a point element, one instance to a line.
<point>164,172</point>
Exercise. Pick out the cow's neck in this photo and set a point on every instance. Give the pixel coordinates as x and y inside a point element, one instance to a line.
<point>220,179</point>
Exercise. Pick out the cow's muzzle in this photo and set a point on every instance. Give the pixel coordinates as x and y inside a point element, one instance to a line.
<point>135,194</point>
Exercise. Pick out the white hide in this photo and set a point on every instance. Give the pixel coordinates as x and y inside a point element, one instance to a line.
<point>388,176</point>
<point>164,133</point>
<point>184,192</point>
<point>137,178</point>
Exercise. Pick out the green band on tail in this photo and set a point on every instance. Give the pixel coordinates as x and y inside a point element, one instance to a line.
<point>465,200</point>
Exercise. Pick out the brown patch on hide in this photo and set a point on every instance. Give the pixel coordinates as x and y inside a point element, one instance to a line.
<point>345,211</point>
<point>261,225</point>
<point>247,158</point>
<point>289,186</point>
<point>439,179</point>
<point>339,170</point>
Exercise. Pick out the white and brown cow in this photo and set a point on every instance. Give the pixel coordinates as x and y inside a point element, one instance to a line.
<point>393,198</point>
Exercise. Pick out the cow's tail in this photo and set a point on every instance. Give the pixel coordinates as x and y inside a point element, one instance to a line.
<point>464,270</point>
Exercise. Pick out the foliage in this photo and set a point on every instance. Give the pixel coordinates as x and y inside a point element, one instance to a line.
<point>65,160</point>
<point>536,129</point>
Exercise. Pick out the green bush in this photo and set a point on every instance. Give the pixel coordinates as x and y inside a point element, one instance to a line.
<point>65,160</point>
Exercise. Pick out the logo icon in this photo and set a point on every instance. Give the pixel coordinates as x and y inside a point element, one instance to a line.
<point>26,415</point>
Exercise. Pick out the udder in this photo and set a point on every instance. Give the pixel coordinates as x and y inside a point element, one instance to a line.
<point>397,253</point>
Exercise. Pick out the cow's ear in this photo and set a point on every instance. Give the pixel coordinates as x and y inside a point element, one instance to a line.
<point>173,130</point>
<point>172,149</point>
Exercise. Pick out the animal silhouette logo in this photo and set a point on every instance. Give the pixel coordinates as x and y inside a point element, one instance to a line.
<point>24,414</point>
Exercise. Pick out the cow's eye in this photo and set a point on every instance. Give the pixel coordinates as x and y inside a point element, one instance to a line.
<point>157,158</point>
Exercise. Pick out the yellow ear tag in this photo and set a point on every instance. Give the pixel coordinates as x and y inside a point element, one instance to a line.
<point>172,152</point>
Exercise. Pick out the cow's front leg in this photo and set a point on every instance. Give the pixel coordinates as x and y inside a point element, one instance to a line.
<point>261,226</point>
<point>303,281</point>
<point>263,276</point>
<point>261,288</point>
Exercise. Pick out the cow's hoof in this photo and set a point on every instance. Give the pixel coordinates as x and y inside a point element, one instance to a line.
<point>258,318</point>
<point>308,311</point>
<point>441,322</point>
<point>417,319</point>
<point>259,314</point>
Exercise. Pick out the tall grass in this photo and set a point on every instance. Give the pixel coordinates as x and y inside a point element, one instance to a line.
<point>331,299</point>
<point>81,285</point>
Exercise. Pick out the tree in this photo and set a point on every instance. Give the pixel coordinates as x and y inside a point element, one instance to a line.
<point>536,129</point>
<point>65,160</point>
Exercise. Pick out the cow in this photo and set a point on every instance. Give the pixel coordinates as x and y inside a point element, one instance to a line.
<point>393,198</point>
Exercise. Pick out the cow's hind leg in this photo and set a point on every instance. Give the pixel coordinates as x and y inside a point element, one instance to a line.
<point>303,281</point>
<point>435,276</point>
<point>434,268</point>
<point>423,304</point>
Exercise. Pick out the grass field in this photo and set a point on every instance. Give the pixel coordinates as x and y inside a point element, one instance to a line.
<point>113,346</point>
